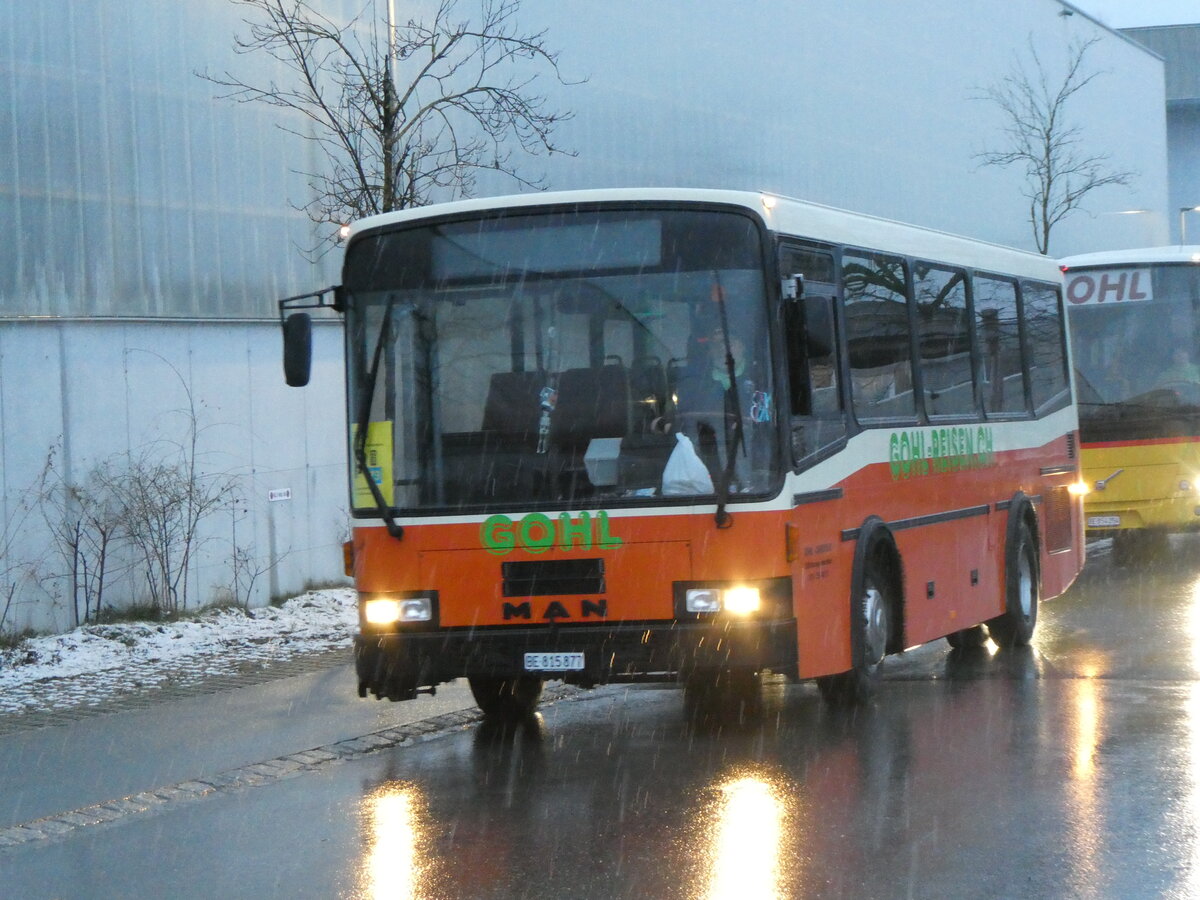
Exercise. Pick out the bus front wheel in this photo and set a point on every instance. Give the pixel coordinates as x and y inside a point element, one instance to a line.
<point>1014,628</point>
<point>874,610</point>
<point>509,699</point>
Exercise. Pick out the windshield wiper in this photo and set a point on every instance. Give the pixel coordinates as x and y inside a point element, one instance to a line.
<point>724,519</point>
<point>364,420</point>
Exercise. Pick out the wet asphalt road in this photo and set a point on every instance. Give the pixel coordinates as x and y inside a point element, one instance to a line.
<point>1071,769</point>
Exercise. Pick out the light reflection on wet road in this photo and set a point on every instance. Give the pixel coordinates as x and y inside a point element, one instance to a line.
<point>1070,769</point>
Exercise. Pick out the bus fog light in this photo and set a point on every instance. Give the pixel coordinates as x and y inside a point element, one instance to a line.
<point>416,609</point>
<point>382,611</point>
<point>742,601</point>
<point>703,600</point>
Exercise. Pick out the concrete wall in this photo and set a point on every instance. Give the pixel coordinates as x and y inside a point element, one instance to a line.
<point>93,392</point>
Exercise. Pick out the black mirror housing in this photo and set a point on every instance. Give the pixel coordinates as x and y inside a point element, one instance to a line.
<point>297,349</point>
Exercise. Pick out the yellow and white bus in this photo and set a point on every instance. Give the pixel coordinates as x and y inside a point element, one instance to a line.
<point>1134,321</point>
<point>631,435</point>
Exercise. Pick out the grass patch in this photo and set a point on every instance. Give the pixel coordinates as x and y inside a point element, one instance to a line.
<point>138,612</point>
<point>312,585</point>
<point>11,640</point>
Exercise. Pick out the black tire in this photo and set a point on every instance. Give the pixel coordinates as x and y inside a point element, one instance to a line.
<point>968,638</point>
<point>507,699</point>
<point>1022,591</point>
<point>875,610</point>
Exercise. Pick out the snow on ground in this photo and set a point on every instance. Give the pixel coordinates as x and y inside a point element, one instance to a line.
<point>96,662</point>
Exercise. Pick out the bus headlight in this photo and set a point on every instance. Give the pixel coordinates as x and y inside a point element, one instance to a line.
<point>742,601</point>
<point>703,600</point>
<point>390,610</point>
<point>382,611</point>
<point>1078,489</point>
<point>738,601</point>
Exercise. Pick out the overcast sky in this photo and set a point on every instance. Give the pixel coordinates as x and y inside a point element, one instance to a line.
<point>1138,13</point>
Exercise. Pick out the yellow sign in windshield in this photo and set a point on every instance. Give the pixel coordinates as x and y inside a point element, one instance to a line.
<point>379,464</point>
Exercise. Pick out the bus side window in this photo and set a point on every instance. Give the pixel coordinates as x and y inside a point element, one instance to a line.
<point>875,292</point>
<point>1044,341</point>
<point>998,335</point>
<point>817,414</point>
<point>944,339</point>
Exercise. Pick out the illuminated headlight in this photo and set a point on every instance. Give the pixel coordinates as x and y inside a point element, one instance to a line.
<point>382,611</point>
<point>740,601</point>
<point>389,611</point>
<point>1078,488</point>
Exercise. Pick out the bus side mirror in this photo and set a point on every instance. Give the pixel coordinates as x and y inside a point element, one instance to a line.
<point>818,326</point>
<point>297,349</point>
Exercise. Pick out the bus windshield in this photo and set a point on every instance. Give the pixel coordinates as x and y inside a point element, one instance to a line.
<point>571,357</point>
<point>1134,334</point>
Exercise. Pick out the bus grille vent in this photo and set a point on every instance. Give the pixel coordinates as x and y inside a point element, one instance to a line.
<point>1071,445</point>
<point>551,577</point>
<point>1057,515</point>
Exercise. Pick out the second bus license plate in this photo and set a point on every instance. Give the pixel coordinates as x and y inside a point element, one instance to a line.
<point>1103,521</point>
<point>553,662</point>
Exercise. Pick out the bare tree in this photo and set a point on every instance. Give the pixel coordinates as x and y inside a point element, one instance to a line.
<point>400,113</point>
<point>86,526</point>
<point>163,497</point>
<point>15,570</point>
<point>1040,139</point>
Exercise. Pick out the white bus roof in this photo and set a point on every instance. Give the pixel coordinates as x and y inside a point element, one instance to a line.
<point>799,218</point>
<point>1176,253</point>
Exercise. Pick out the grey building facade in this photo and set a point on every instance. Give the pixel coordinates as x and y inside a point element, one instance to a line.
<point>151,225</point>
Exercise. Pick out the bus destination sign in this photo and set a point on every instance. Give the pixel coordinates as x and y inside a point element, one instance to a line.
<point>1109,286</point>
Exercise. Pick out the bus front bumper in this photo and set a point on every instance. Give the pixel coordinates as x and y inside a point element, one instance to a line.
<point>397,665</point>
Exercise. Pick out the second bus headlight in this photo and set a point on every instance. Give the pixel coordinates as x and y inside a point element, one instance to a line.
<point>739,601</point>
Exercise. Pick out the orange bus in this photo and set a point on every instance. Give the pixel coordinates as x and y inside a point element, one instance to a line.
<point>629,435</point>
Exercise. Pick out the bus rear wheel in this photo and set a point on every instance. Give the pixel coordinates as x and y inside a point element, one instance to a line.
<point>874,613</point>
<point>968,638</point>
<point>1014,628</point>
<point>508,699</point>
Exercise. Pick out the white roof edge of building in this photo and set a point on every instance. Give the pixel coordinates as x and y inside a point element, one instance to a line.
<point>1119,32</point>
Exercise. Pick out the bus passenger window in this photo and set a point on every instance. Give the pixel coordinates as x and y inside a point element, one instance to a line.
<point>875,292</point>
<point>818,419</point>
<point>998,333</point>
<point>944,338</point>
<point>1044,336</point>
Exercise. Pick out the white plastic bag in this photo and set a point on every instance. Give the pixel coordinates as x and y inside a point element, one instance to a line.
<point>685,473</point>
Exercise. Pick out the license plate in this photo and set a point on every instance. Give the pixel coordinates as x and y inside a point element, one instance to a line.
<point>1103,521</point>
<point>553,662</point>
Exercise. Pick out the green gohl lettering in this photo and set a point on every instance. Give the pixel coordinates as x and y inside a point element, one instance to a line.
<point>537,533</point>
<point>605,540</point>
<point>575,531</point>
<point>496,535</point>
<point>938,450</point>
